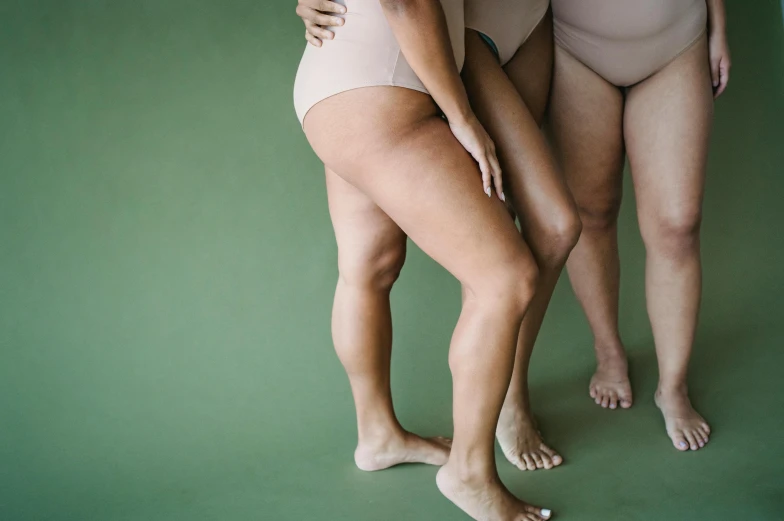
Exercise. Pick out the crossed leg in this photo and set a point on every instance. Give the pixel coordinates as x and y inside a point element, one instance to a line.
<point>510,103</point>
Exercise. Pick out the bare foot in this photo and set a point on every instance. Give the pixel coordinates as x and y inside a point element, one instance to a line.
<point>685,427</point>
<point>610,386</point>
<point>485,498</point>
<point>522,442</point>
<point>404,447</point>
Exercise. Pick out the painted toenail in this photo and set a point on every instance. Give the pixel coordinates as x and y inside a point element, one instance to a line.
<point>546,512</point>
<point>683,444</point>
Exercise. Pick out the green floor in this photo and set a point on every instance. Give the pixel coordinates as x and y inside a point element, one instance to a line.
<point>166,269</point>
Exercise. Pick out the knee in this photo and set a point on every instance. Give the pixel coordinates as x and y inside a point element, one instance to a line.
<point>599,213</point>
<point>553,242</point>
<point>675,233</point>
<point>376,268</point>
<point>509,287</point>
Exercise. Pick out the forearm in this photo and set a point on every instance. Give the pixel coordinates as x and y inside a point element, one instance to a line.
<point>717,17</point>
<point>421,31</point>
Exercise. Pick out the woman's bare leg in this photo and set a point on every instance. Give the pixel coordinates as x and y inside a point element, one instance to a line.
<point>667,127</point>
<point>540,198</point>
<point>419,175</point>
<point>371,253</point>
<point>586,115</point>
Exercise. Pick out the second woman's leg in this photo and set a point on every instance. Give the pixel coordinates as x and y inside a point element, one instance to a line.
<point>540,198</point>
<point>414,169</point>
<point>371,252</point>
<point>586,115</point>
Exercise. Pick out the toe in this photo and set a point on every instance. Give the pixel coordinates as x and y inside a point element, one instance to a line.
<point>625,402</point>
<point>538,513</point>
<point>552,456</point>
<point>592,391</point>
<point>692,442</point>
<point>706,428</point>
<point>546,460</point>
<point>537,459</point>
<point>680,441</point>
<point>698,437</point>
<point>529,462</point>
<point>444,441</point>
<point>517,462</point>
<point>613,399</point>
<point>703,433</point>
<point>605,401</point>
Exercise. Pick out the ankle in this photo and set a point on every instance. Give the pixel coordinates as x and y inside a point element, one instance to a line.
<point>379,431</point>
<point>610,353</point>
<point>516,405</point>
<point>471,468</point>
<point>677,387</point>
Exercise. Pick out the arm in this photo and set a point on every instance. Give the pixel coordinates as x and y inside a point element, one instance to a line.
<point>421,31</point>
<point>720,62</point>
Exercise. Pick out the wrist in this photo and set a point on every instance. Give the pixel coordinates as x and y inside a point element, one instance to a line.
<point>717,27</point>
<point>460,115</point>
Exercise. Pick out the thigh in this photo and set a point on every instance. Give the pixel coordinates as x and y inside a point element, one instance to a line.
<point>403,156</point>
<point>369,241</point>
<point>667,125</point>
<point>531,68</point>
<point>537,192</point>
<point>586,126</point>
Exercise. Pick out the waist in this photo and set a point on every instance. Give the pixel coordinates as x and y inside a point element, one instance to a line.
<point>624,19</point>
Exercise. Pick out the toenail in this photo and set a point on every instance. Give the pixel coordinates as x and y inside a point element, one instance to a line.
<point>546,513</point>
<point>683,444</point>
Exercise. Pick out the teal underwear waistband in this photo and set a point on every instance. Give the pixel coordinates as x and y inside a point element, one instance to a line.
<point>489,41</point>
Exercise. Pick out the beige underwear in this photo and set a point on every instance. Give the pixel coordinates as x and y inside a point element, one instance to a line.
<point>626,41</point>
<point>364,53</point>
<point>507,24</point>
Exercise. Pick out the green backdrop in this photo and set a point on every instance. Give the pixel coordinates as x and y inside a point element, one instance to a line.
<point>166,274</point>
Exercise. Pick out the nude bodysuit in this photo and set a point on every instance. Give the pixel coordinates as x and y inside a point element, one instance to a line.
<point>364,53</point>
<point>626,41</point>
<point>506,23</point>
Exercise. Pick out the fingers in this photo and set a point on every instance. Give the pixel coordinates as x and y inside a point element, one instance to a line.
<point>318,31</point>
<point>312,39</point>
<point>316,17</point>
<point>714,70</point>
<point>724,77</point>
<point>328,6</point>
<point>484,167</point>
<point>497,176</point>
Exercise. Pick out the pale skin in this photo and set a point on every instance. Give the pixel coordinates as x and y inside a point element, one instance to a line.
<point>663,124</point>
<point>510,102</point>
<point>440,184</point>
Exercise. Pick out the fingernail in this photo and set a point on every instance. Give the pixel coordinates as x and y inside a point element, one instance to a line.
<point>487,191</point>
<point>546,512</point>
<point>503,197</point>
<point>339,21</point>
